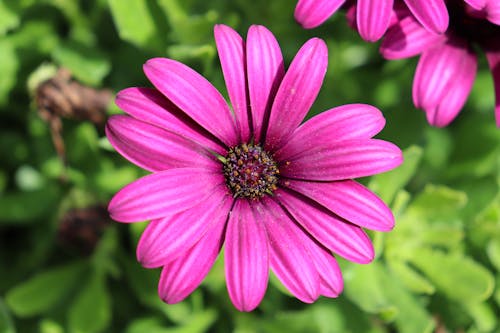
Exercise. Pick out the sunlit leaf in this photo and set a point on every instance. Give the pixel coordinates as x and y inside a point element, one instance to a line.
<point>133,21</point>
<point>374,289</point>
<point>9,18</point>
<point>459,278</point>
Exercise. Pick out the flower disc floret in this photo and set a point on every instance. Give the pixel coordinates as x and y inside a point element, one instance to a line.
<point>250,171</point>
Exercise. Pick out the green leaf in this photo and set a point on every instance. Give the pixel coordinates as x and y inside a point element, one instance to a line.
<point>9,64</point>
<point>484,316</point>
<point>486,225</point>
<point>133,21</point>
<point>28,178</point>
<point>436,202</point>
<point>40,202</point>
<point>493,251</point>
<point>438,147</point>
<point>44,291</point>
<point>88,65</point>
<point>91,311</point>
<point>497,292</point>
<point>150,325</point>
<point>459,278</point>
<point>50,326</point>
<point>9,19</point>
<point>386,185</point>
<point>144,283</point>
<point>375,290</point>
<point>410,278</point>
<point>199,322</point>
<point>6,324</point>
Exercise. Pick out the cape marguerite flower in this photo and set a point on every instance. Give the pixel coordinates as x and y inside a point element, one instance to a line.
<point>372,17</point>
<point>448,62</point>
<point>278,195</point>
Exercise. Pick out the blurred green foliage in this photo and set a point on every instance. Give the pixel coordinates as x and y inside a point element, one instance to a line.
<point>437,270</point>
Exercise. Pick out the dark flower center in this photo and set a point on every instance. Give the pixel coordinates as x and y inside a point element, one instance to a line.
<point>470,24</point>
<point>250,171</point>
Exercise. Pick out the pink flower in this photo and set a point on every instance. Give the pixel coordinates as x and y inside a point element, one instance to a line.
<point>277,194</point>
<point>372,17</point>
<point>448,62</point>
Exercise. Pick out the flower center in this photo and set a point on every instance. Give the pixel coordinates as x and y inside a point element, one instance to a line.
<point>250,171</point>
<point>470,24</point>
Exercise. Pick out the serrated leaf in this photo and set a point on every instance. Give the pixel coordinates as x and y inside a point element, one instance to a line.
<point>413,280</point>
<point>91,311</point>
<point>44,291</point>
<point>486,225</point>
<point>133,21</point>
<point>459,278</point>
<point>386,185</point>
<point>483,315</point>
<point>437,202</point>
<point>373,289</point>
<point>88,65</point>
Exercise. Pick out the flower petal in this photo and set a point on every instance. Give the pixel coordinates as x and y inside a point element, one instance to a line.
<point>349,200</point>
<point>167,238</point>
<point>408,38</point>
<point>342,160</point>
<point>432,14</point>
<point>477,4</point>
<point>331,282</point>
<point>182,276</point>
<point>153,148</point>
<point>194,95</point>
<point>312,13</point>
<point>246,255</point>
<point>493,56</point>
<point>265,72</point>
<point>231,49</point>
<point>290,259</point>
<point>163,194</point>
<point>436,72</point>
<point>493,11</point>
<point>352,121</point>
<point>336,234</point>
<point>297,92</point>
<point>150,106</point>
<point>373,18</point>
<point>455,98</point>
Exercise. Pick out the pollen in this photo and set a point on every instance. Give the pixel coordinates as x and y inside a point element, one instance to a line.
<point>250,171</point>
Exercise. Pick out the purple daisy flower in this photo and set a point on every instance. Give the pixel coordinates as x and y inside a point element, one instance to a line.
<point>373,17</point>
<point>448,62</point>
<point>278,195</point>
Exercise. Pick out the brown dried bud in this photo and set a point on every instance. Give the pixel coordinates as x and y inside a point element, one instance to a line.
<point>81,229</point>
<point>61,96</point>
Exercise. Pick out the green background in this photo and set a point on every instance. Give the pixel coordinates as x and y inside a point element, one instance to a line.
<point>438,270</point>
